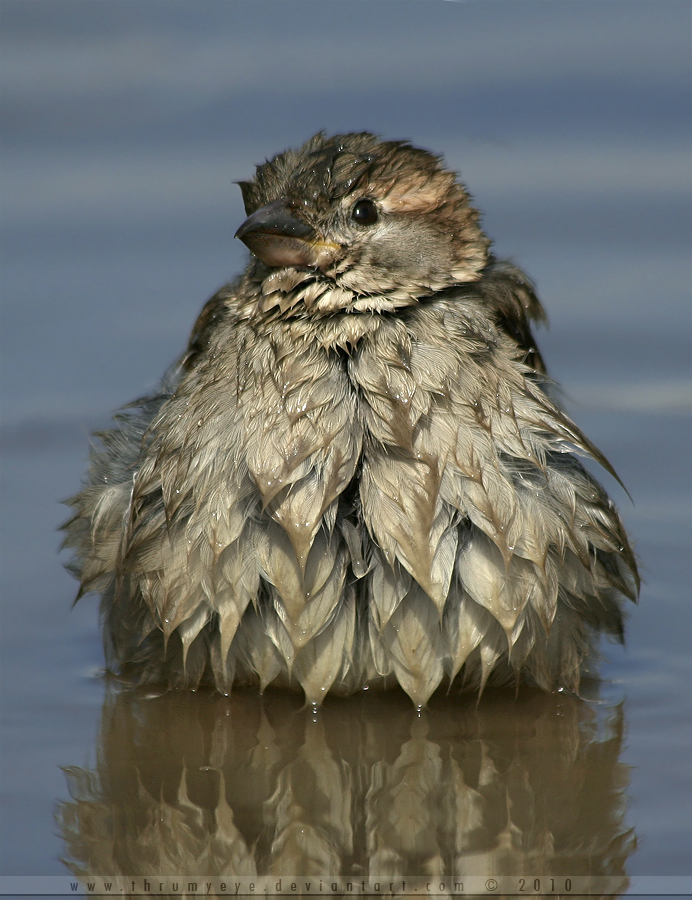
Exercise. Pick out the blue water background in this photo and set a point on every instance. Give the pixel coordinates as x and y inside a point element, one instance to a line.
<point>125,125</point>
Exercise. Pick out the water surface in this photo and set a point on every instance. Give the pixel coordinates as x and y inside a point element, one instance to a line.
<point>125,125</point>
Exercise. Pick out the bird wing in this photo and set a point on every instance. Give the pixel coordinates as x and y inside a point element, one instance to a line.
<point>471,485</point>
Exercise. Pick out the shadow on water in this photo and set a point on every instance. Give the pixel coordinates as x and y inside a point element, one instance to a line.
<point>247,785</point>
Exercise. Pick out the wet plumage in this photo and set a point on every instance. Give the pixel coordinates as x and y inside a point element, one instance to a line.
<point>356,475</point>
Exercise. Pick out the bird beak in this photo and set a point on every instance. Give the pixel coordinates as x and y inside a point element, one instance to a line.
<point>279,238</point>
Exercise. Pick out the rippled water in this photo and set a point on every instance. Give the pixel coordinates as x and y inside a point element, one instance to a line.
<point>125,125</point>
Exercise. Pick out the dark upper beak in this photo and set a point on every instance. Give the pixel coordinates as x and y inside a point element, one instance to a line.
<point>279,238</point>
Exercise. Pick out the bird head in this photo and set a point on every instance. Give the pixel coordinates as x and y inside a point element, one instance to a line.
<point>351,224</point>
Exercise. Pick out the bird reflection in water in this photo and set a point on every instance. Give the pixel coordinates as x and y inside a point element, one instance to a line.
<point>205,784</point>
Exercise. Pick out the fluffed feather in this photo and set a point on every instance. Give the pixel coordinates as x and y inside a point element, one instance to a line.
<point>356,476</point>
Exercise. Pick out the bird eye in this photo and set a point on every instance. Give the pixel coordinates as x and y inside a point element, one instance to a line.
<point>364,212</point>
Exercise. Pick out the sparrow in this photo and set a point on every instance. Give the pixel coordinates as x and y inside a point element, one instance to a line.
<point>357,475</point>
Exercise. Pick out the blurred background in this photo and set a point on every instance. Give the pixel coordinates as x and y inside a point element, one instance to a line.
<point>125,124</point>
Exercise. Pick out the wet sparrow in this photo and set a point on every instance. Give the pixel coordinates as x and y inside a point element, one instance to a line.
<point>355,476</point>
